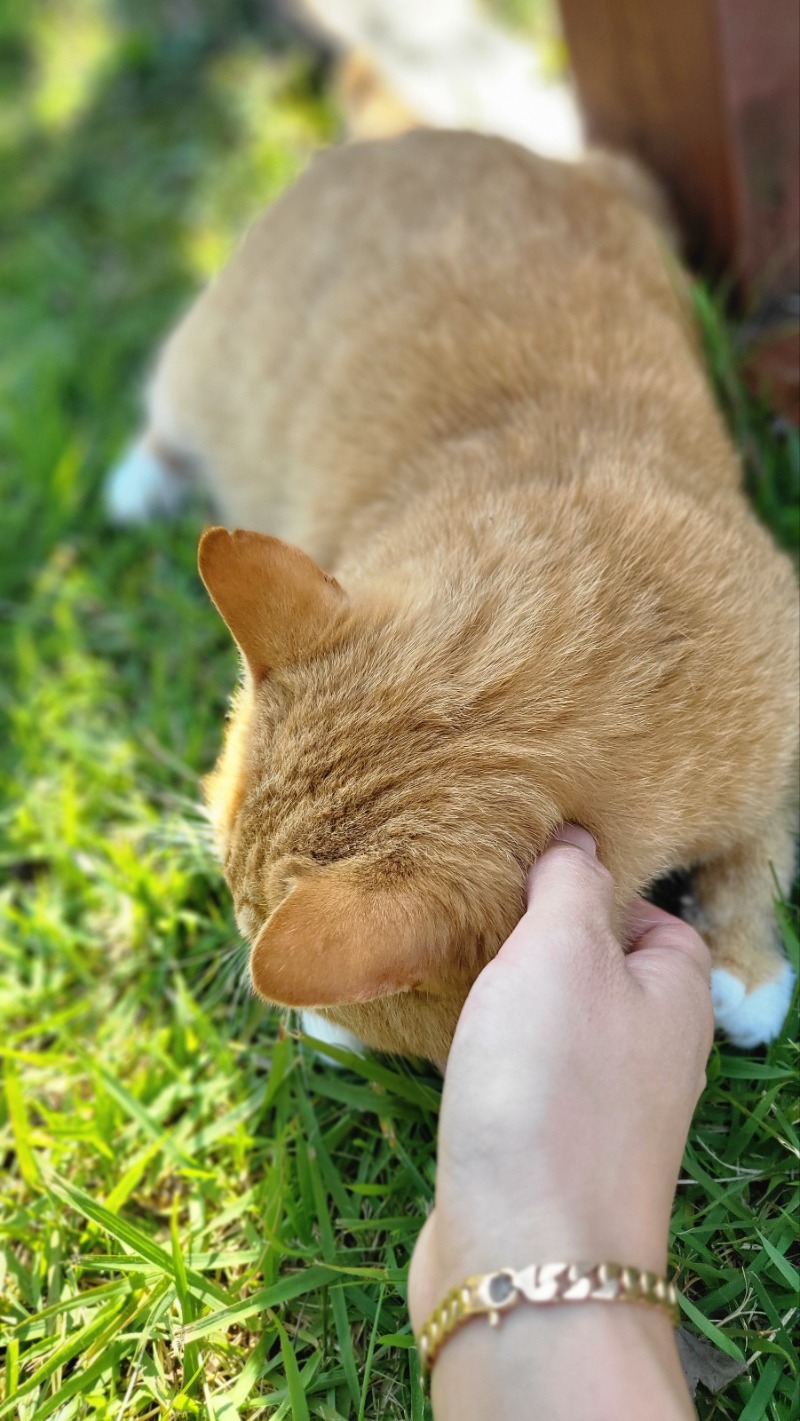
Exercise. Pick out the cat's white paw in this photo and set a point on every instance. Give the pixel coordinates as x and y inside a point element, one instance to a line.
<point>751,1018</point>
<point>324,1030</point>
<point>141,489</point>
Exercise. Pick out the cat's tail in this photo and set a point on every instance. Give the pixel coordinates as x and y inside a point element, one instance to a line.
<point>150,482</point>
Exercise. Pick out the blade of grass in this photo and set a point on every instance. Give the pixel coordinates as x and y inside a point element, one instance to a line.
<point>362,1410</point>
<point>296,1285</point>
<point>756,1406</point>
<point>20,1125</point>
<point>710,1330</point>
<point>294,1384</point>
<point>191,1360</point>
<point>127,1234</point>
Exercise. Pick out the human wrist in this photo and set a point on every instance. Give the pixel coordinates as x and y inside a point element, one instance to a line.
<point>598,1361</point>
<point>483,1235</point>
<point>572,1188</point>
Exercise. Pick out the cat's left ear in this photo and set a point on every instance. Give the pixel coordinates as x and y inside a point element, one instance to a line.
<point>332,941</point>
<point>274,598</point>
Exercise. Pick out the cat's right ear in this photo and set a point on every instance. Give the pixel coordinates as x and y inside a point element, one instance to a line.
<point>333,941</point>
<point>274,599</point>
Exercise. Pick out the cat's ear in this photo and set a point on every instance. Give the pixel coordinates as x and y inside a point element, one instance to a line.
<point>332,941</point>
<point>275,600</point>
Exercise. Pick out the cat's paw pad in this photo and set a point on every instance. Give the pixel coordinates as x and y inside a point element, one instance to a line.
<point>142,489</point>
<point>333,1035</point>
<point>751,1018</point>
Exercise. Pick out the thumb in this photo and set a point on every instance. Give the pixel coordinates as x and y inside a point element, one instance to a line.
<point>570,899</point>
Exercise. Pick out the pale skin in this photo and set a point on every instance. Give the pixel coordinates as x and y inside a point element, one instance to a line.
<point>568,1096</point>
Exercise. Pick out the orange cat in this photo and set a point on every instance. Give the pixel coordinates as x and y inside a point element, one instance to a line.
<point>464,381</point>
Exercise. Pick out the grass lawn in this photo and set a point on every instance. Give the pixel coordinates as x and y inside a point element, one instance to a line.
<point>198,1218</point>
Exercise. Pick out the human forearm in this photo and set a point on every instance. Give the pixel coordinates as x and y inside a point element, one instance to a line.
<point>568,1097</point>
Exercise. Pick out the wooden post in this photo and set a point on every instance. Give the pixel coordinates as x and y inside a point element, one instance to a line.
<point>707,92</point>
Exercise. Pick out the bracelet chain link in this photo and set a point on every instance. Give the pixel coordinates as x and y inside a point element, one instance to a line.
<point>492,1294</point>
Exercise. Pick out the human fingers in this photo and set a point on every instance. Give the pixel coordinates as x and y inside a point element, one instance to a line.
<point>576,835</point>
<point>673,964</point>
<point>570,892</point>
<point>570,898</point>
<point>646,927</point>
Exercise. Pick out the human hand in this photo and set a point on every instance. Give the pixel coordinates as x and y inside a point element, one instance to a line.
<point>570,1086</point>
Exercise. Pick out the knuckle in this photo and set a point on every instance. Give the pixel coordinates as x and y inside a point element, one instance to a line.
<point>679,934</point>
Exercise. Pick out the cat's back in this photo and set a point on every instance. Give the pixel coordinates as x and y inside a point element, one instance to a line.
<point>412,290</point>
<point>462,212</point>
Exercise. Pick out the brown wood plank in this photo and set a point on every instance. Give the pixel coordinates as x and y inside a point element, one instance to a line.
<point>760,58</point>
<point>650,82</point>
<point>707,93</point>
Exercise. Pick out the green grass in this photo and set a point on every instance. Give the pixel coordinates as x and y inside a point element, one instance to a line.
<point>198,1218</point>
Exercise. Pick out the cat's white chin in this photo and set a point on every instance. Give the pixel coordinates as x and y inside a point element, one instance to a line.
<point>751,1018</point>
<point>333,1035</point>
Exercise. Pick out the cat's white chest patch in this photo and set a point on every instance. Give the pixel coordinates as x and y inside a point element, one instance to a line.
<point>323,1030</point>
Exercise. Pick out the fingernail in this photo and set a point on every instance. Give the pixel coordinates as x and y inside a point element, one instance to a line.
<point>574,834</point>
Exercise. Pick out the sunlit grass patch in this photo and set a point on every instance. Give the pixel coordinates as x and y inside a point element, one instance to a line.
<point>197,1216</point>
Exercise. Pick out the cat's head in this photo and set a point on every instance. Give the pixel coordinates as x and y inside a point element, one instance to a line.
<point>371,826</point>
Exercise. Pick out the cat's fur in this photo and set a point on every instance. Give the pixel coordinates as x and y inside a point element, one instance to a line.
<point>464,380</point>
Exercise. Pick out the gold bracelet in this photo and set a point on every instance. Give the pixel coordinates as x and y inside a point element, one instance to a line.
<point>492,1294</point>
